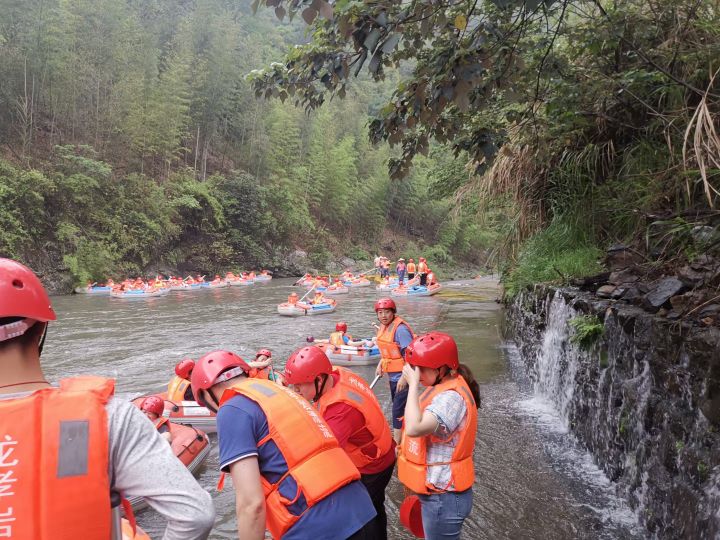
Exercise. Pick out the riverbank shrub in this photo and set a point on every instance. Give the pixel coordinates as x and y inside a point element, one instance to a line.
<point>556,254</point>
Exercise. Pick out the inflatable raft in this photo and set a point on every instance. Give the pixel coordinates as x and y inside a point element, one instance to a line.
<point>218,284</point>
<point>96,290</point>
<point>361,282</point>
<point>334,289</point>
<point>190,445</point>
<point>262,278</point>
<point>301,308</point>
<point>416,290</point>
<point>350,356</point>
<point>139,294</point>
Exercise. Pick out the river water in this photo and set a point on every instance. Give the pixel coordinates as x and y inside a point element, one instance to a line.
<point>532,481</point>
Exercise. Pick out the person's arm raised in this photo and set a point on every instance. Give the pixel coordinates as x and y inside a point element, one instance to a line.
<point>415,422</point>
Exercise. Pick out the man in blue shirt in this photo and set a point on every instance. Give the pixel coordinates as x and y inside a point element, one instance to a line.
<point>392,339</point>
<point>253,458</point>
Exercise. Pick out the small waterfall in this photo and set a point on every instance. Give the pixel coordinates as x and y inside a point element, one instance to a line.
<point>556,363</point>
<point>642,400</point>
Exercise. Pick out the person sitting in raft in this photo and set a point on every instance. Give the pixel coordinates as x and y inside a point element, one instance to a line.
<point>435,459</point>
<point>431,279</point>
<point>340,337</point>
<point>179,386</point>
<point>293,299</point>
<point>289,473</point>
<point>319,298</point>
<point>263,363</point>
<point>348,405</point>
<point>153,407</point>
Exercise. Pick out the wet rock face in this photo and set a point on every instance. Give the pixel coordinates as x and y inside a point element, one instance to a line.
<point>644,399</point>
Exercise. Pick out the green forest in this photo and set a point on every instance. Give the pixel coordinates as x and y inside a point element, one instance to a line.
<point>131,139</point>
<point>523,135</point>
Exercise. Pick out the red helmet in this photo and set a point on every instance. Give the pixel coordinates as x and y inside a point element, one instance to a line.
<point>263,352</point>
<point>184,368</point>
<point>305,364</point>
<point>433,350</point>
<point>153,404</point>
<point>209,367</point>
<point>341,327</point>
<point>22,294</point>
<point>385,303</point>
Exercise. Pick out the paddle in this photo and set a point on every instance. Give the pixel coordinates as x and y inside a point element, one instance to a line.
<point>375,380</point>
<point>305,295</point>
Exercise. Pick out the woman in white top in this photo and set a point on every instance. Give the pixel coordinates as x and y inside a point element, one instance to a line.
<point>435,459</point>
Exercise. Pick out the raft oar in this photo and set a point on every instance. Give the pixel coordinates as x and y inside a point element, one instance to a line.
<point>375,380</point>
<point>305,295</point>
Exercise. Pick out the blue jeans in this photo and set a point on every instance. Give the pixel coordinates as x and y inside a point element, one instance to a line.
<point>401,276</point>
<point>443,514</point>
<point>399,399</point>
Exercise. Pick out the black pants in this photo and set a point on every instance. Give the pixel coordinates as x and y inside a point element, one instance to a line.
<point>375,529</point>
<point>423,279</point>
<point>411,275</point>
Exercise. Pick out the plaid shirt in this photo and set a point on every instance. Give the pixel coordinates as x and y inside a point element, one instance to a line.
<point>451,413</point>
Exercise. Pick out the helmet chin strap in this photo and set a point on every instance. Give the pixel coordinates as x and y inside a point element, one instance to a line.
<point>319,391</point>
<point>42,339</point>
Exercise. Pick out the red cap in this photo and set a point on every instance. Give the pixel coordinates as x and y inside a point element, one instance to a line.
<point>341,326</point>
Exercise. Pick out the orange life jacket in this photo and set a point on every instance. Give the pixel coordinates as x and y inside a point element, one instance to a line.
<point>263,373</point>
<point>54,462</point>
<point>422,268</point>
<point>392,360</point>
<point>314,459</point>
<point>336,338</point>
<point>411,268</point>
<point>412,456</point>
<point>354,391</point>
<point>177,388</point>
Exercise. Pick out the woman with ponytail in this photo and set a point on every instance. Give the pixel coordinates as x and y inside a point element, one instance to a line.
<point>435,459</point>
